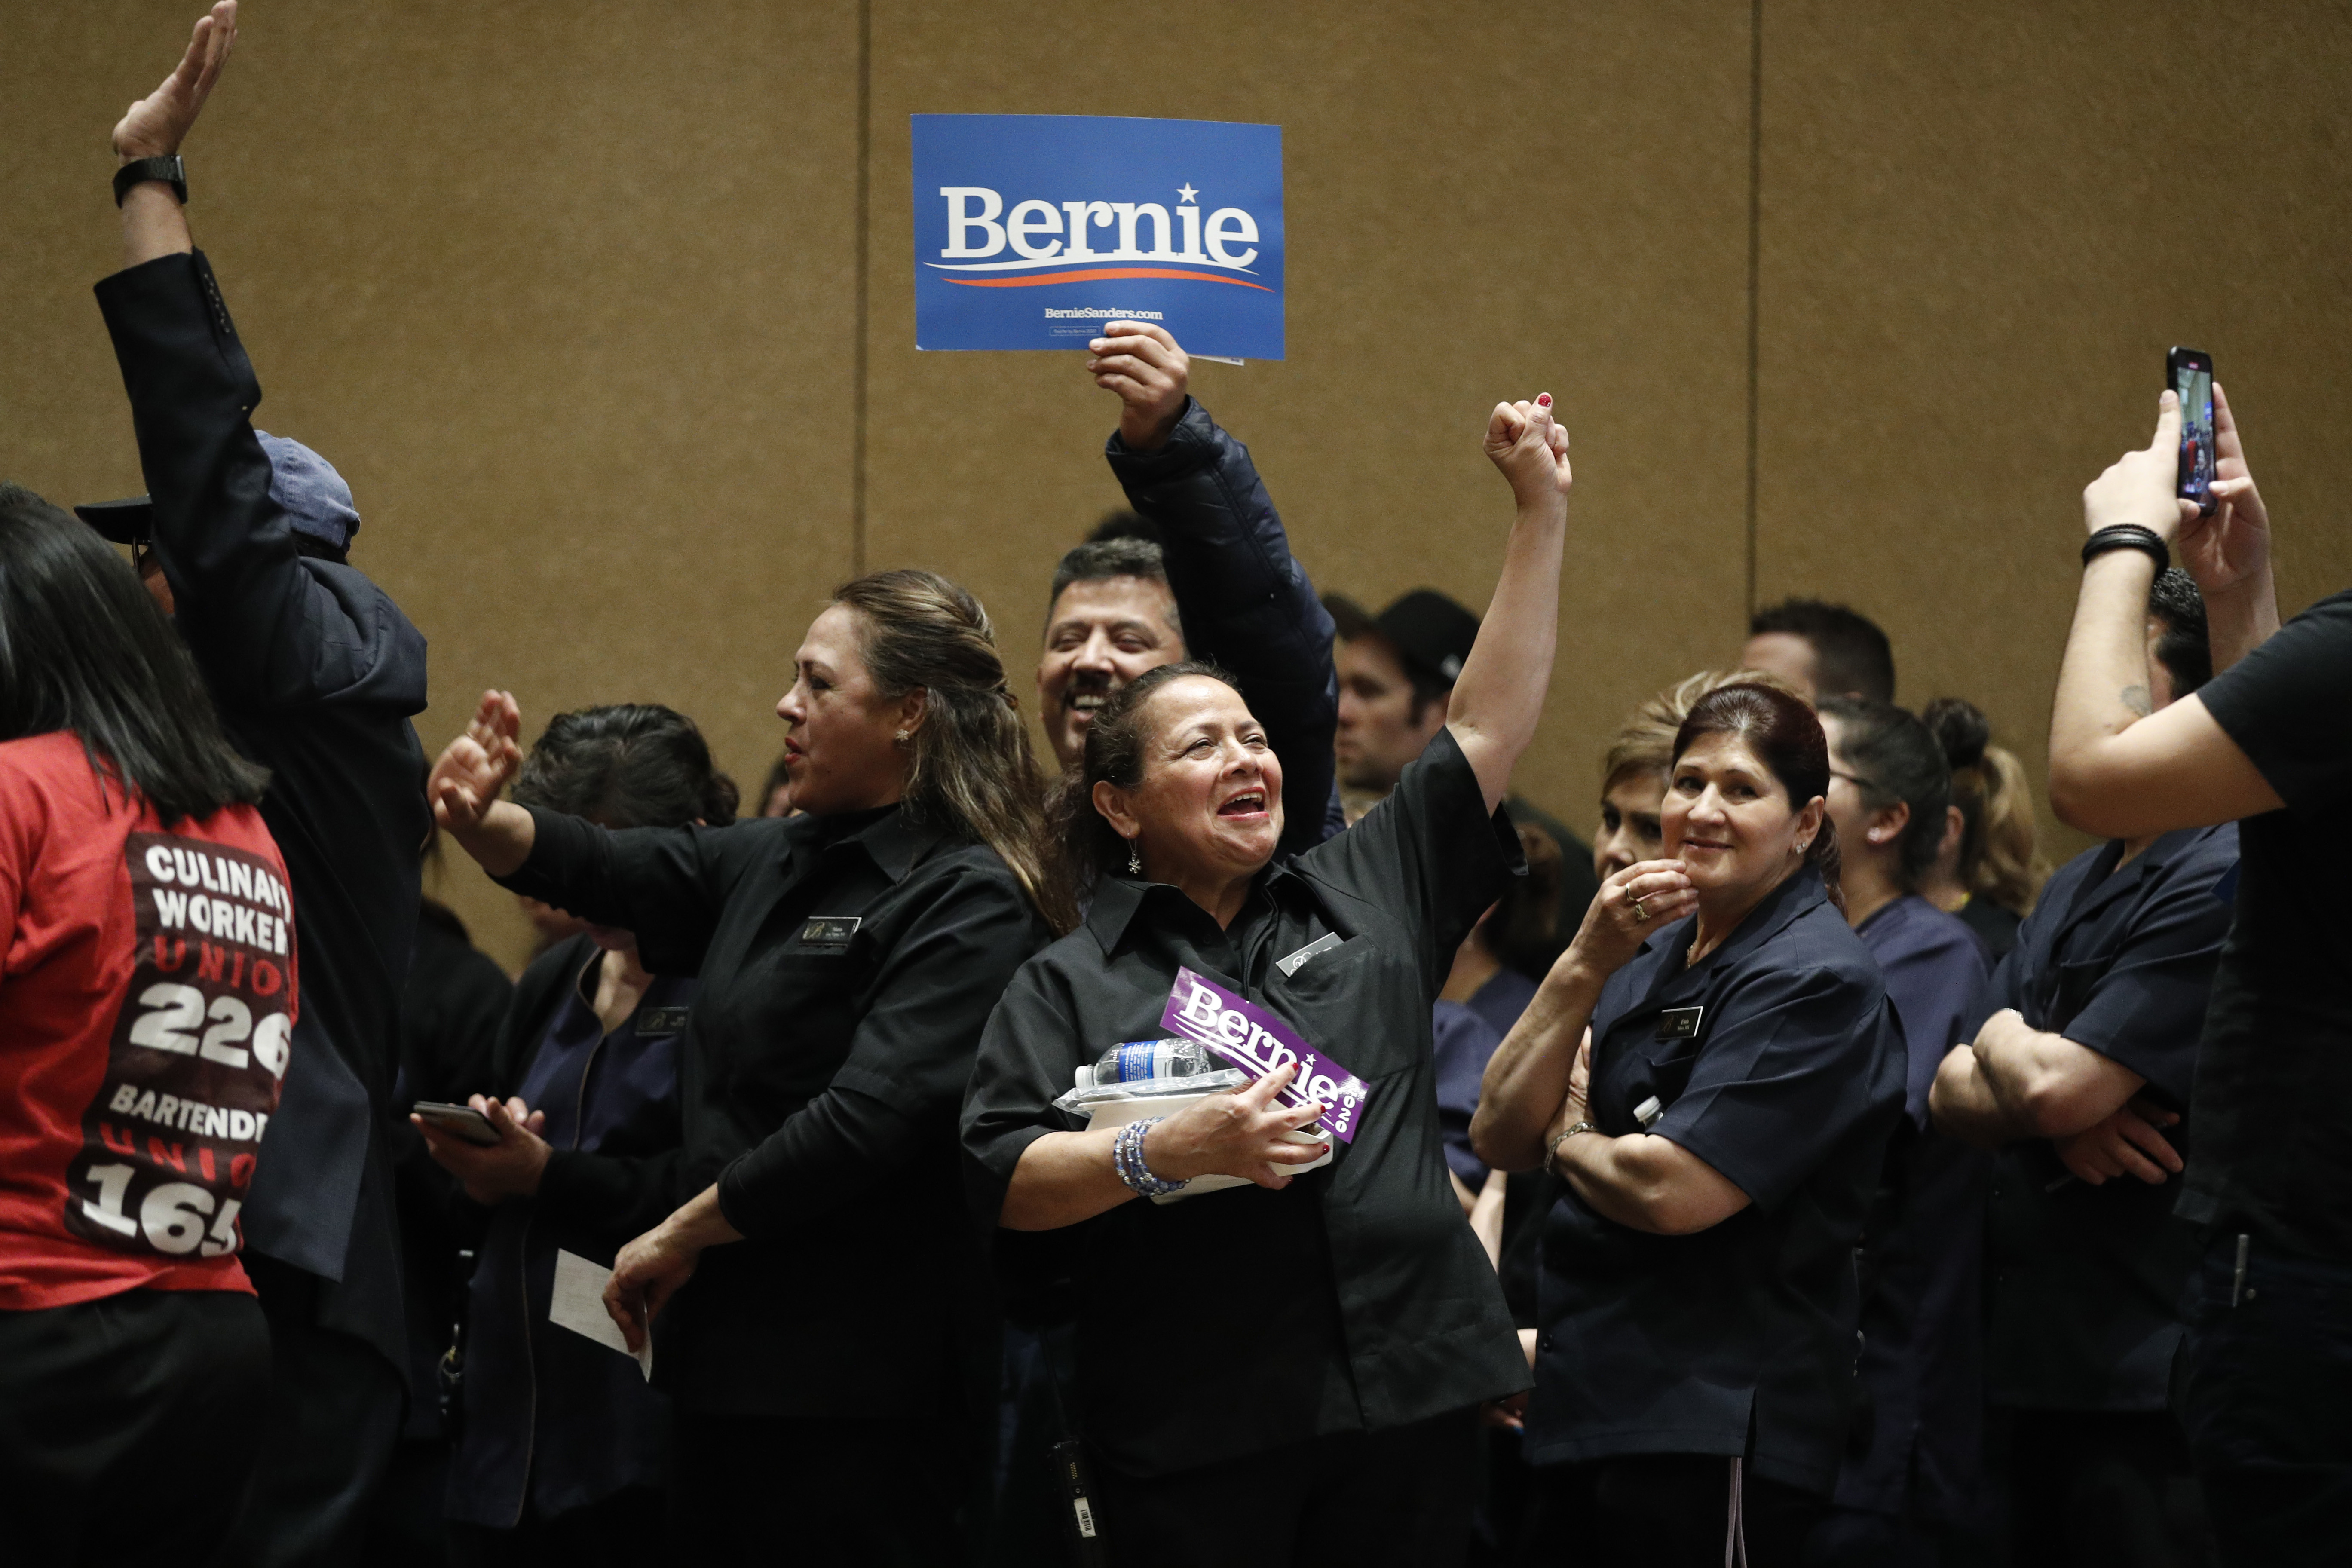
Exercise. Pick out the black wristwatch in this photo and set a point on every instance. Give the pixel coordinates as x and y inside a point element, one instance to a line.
<point>168,170</point>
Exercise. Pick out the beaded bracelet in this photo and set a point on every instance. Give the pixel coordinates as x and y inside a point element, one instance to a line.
<point>1127,1159</point>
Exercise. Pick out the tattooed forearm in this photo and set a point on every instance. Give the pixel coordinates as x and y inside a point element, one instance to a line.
<point>2136,698</point>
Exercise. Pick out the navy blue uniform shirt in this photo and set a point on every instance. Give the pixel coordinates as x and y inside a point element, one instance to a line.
<point>1779,1063</point>
<point>2087,1280</point>
<point>1919,1451</point>
<point>549,1414</point>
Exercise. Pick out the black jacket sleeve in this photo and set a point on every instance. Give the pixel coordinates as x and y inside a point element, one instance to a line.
<point>667,885</point>
<point>1246,602</point>
<point>269,628</point>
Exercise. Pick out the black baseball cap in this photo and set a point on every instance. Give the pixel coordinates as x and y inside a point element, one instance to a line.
<point>129,521</point>
<point>1430,632</point>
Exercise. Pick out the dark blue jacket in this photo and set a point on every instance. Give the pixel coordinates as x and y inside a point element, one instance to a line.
<point>316,673</point>
<point>1245,603</point>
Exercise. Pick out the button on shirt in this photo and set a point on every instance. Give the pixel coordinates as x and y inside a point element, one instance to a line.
<point>1787,1079</point>
<point>1234,1321</point>
<point>2087,1280</point>
<point>2275,1077</point>
<point>847,965</point>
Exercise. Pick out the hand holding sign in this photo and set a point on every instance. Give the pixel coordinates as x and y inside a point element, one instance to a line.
<point>1243,1134</point>
<point>1152,376</point>
<point>1531,450</point>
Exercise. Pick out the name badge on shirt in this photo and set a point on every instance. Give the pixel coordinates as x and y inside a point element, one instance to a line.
<point>830,933</point>
<point>653,1023</point>
<point>1680,1023</point>
<point>1323,943</point>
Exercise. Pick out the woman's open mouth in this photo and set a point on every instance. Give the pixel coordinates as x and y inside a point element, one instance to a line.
<point>1248,803</point>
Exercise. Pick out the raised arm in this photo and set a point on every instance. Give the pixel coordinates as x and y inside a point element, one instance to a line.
<point>1242,598</point>
<point>2116,769</point>
<point>1500,694</point>
<point>153,223</point>
<point>270,629</point>
<point>665,884</point>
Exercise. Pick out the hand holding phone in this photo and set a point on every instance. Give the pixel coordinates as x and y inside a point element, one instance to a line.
<point>459,1121</point>
<point>2189,374</point>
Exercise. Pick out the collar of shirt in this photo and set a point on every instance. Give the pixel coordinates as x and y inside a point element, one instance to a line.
<point>1118,900</point>
<point>894,838</point>
<point>2105,882</point>
<point>1657,974</point>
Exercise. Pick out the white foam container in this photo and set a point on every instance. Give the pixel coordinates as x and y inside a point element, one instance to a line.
<point>1112,1114</point>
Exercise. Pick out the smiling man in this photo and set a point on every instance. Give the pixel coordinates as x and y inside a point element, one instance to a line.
<point>1207,574</point>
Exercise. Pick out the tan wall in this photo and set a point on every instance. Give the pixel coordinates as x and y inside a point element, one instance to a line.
<point>570,294</point>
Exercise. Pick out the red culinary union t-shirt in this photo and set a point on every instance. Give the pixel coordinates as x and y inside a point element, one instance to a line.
<point>146,1010</point>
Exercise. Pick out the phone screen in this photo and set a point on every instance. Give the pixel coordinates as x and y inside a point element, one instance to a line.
<point>2192,380</point>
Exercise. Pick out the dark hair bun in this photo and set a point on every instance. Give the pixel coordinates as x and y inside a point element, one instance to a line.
<point>1959,727</point>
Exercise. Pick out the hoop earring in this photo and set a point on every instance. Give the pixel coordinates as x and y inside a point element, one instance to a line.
<point>1134,859</point>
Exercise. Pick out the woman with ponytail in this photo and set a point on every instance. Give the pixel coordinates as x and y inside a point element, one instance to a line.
<point>1988,869</point>
<point>848,958</point>
<point>1714,1069</point>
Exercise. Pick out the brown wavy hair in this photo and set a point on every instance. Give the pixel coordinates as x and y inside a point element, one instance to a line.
<point>972,770</point>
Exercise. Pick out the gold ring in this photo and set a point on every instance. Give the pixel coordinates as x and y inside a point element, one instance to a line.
<point>1640,912</point>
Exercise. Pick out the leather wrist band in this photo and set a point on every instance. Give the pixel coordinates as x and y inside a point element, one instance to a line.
<point>2127,536</point>
<point>168,170</point>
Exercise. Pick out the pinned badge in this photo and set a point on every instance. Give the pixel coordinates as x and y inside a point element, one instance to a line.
<point>831,932</point>
<point>1680,1023</point>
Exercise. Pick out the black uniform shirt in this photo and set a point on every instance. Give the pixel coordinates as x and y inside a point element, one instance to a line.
<point>847,965</point>
<point>1230,1322</point>
<point>2274,1097</point>
<point>1779,1062</point>
<point>2087,1280</point>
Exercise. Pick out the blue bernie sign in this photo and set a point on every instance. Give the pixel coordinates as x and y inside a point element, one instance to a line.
<point>1034,230</point>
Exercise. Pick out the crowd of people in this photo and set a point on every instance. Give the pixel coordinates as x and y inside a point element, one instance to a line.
<point>1799,1172</point>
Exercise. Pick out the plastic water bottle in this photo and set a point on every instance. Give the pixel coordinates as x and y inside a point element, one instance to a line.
<point>1134,1060</point>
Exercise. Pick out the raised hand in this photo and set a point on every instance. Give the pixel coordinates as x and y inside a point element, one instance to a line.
<point>2232,544</point>
<point>2143,486</point>
<point>1152,376</point>
<point>1237,1134</point>
<point>156,125</point>
<point>476,767</point>
<point>1531,449</point>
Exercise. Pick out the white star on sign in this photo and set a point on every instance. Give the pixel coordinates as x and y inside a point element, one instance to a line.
<point>1187,192</point>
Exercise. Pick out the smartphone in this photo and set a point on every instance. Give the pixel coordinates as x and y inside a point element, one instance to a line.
<point>2189,374</point>
<point>457,1120</point>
